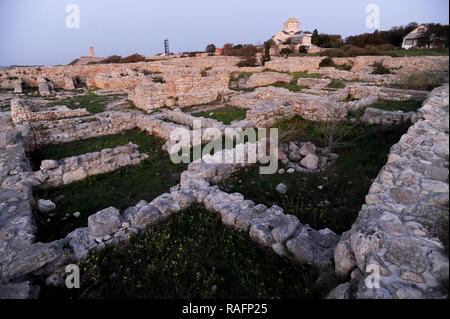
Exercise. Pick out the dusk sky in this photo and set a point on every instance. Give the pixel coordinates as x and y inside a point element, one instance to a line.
<point>34,31</point>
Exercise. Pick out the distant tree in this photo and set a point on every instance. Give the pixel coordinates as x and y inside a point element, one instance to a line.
<point>266,51</point>
<point>315,37</point>
<point>210,48</point>
<point>227,49</point>
<point>248,50</point>
<point>438,34</point>
<point>329,41</point>
<point>364,39</point>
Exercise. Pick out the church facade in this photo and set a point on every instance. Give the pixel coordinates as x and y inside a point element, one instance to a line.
<point>291,37</point>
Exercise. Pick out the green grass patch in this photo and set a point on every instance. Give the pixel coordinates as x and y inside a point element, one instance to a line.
<point>121,188</point>
<point>192,256</point>
<point>336,84</point>
<point>331,198</point>
<point>240,76</point>
<point>226,114</point>
<point>93,103</point>
<point>293,87</point>
<point>298,75</point>
<point>417,52</point>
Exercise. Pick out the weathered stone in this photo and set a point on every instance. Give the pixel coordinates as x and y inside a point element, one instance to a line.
<point>104,222</point>
<point>343,259</point>
<point>311,162</point>
<point>308,148</point>
<point>142,216</point>
<point>46,206</point>
<point>281,188</point>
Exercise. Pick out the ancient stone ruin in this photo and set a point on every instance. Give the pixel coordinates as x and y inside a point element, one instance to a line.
<point>397,228</point>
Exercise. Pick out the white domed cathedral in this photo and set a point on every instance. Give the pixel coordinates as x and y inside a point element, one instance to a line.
<point>291,36</point>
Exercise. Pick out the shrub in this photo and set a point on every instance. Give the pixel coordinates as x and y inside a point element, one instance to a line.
<point>422,80</point>
<point>211,48</point>
<point>355,51</point>
<point>250,61</point>
<point>302,49</point>
<point>113,59</point>
<point>327,62</point>
<point>133,58</point>
<point>373,50</point>
<point>285,51</point>
<point>248,50</point>
<point>347,47</point>
<point>379,68</point>
<point>386,47</point>
<point>191,54</point>
<point>345,67</point>
<point>335,53</point>
<point>129,59</point>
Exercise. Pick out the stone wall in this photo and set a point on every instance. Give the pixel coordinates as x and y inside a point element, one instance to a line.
<point>23,112</point>
<point>379,79</point>
<point>267,104</point>
<point>302,64</point>
<point>359,91</point>
<point>108,82</point>
<point>67,170</point>
<point>405,211</point>
<point>66,76</point>
<point>19,254</point>
<point>294,64</point>
<point>267,78</point>
<point>190,87</point>
<point>377,116</point>
<point>71,129</point>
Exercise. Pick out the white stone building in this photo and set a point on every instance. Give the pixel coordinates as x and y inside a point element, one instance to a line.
<point>291,36</point>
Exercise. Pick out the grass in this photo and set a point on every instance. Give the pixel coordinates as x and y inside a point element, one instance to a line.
<point>378,50</point>
<point>405,106</point>
<point>193,256</point>
<point>74,62</point>
<point>93,103</point>
<point>417,52</point>
<point>293,87</point>
<point>421,80</point>
<point>297,75</point>
<point>121,188</point>
<point>331,198</point>
<point>240,76</point>
<point>226,114</point>
<point>336,84</point>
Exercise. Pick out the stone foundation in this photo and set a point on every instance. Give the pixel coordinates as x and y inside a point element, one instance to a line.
<point>24,113</point>
<point>68,170</point>
<point>405,210</point>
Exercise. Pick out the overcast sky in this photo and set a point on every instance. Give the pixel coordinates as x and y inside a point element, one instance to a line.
<point>34,31</point>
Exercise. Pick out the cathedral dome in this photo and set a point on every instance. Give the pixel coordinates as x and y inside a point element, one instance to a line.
<point>292,26</point>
